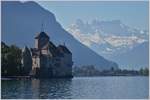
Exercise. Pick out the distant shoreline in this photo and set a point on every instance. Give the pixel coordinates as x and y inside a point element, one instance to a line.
<point>15,77</point>
<point>29,77</point>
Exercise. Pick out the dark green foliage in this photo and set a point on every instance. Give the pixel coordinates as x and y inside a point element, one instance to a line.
<point>11,60</point>
<point>90,70</point>
<point>144,71</point>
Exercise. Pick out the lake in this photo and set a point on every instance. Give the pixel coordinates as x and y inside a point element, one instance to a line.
<point>116,87</point>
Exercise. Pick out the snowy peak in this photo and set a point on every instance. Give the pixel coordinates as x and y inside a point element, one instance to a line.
<point>114,34</point>
<point>113,40</point>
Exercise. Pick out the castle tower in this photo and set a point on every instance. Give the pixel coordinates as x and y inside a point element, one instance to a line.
<point>41,40</point>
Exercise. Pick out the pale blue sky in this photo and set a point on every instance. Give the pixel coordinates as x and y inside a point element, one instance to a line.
<point>134,14</point>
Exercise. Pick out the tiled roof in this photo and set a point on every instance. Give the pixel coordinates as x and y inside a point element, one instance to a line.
<point>63,49</point>
<point>53,49</point>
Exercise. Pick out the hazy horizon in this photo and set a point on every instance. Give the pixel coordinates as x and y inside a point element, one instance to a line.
<point>131,13</point>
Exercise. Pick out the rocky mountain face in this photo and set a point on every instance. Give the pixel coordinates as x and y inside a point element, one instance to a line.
<point>22,21</point>
<point>113,40</point>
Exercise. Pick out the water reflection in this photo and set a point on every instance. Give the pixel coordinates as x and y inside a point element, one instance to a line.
<point>35,88</point>
<point>53,88</point>
<point>15,89</point>
<point>77,88</point>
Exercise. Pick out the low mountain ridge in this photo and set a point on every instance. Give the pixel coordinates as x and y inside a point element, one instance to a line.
<point>138,57</point>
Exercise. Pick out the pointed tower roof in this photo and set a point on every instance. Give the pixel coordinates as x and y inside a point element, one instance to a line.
<point>41,34</point>
<point>25,49</point>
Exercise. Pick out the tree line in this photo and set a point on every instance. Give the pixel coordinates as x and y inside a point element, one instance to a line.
<point>10,60</point>
<point>90,70</point>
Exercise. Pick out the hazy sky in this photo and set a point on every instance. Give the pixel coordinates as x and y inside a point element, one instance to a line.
<point>134,14</point>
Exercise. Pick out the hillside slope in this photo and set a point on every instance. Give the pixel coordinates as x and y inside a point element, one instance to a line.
<point>22,21</point>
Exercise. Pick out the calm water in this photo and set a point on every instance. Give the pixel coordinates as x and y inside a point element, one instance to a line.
<point>78,88</point>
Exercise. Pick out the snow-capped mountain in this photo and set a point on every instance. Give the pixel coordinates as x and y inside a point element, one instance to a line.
<point>113,40</point>
<point>107,37</point>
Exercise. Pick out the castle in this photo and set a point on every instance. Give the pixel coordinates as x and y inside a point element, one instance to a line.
<point>46,60</point>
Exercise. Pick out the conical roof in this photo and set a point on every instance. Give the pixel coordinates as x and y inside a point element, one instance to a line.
<point>25,49</point>
<point>41,34</point>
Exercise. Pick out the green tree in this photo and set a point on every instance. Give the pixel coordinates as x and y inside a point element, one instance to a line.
<point>11,60</point>
<point>144,71</point>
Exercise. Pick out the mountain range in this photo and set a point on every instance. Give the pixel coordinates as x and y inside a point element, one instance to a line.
<point>21,21</point>
<point>136,58</point>
<point>114,40</point>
